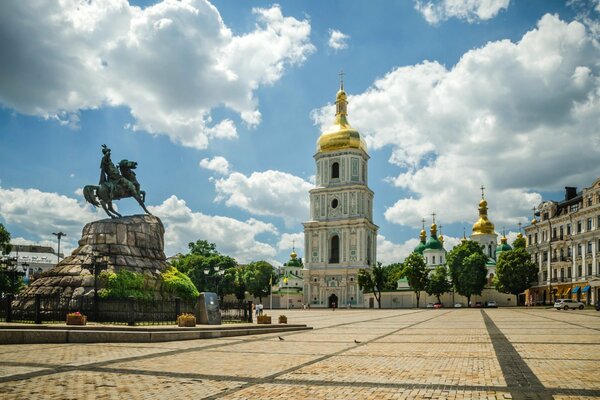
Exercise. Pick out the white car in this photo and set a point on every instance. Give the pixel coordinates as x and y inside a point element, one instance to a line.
<point>458,305</point>
<point>429,305</point>
<point>565,304</point>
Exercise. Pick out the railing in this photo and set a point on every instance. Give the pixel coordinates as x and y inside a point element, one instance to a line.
<point>38,309</point>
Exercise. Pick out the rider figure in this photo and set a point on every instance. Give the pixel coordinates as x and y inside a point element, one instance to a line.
<point>109,174</point>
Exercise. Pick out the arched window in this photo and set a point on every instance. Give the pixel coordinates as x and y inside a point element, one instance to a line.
<point>334,251</point>
<point>335,170</point>
<point>489,250</point>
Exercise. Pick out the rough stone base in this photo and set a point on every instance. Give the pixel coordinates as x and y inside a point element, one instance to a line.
<point>134,243</point>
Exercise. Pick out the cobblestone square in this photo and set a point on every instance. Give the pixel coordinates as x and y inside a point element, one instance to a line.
<point>350,354</point>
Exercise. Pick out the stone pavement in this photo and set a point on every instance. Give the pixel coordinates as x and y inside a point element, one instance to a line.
<point>351,354</point>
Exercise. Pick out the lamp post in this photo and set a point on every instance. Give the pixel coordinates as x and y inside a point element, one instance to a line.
<point>25,265</point>
<point>58,235</point>
<point>99,263</point>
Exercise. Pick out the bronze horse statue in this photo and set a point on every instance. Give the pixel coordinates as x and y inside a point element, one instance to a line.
<point>115,184</point>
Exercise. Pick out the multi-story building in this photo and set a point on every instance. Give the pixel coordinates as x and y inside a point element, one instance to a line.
<point>564,241</point>
<point>340,237</point>
<point>32,260</point>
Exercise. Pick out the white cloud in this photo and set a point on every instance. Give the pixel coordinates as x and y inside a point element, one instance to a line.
<point>170,63</point>
<point>290,240</point>
<point>389,252</point>
<point>234,238</point>
<point>517,117</point>
<point>468,10</point>
<point>41,213</point>
<point>217,164</point>
<point>272,193</point>
<point>337,40</point>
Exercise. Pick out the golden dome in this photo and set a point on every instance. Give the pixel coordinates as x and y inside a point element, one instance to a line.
<point>340,135</point>
<point>519,235</point>
<point>423,235</point>
<point>293,255</point>
<point>533,221</point>
<point>483,226</point>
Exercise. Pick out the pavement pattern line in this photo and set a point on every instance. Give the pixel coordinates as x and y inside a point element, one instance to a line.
<point>54,369</point>
<point>520,379</point>
<point>271,378</point>
<point>560,320</point>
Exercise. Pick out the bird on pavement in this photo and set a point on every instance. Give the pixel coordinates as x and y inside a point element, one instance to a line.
<point>280,338</point>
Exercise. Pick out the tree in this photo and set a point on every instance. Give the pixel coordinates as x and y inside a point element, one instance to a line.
<point>519,243</point>
<point>259,276</point>
<point>5,246</point>
<point>373,281</point>
<point>179,284</point>
<point>467,269</point>
<point>416,272</point>
<point>203,248</point>
<point>438,282</point>
<point>515,272</point>
<point>393,275</point>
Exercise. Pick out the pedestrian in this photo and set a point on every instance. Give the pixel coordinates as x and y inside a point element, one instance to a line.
<point>333,305</point>
<point>260,309</point>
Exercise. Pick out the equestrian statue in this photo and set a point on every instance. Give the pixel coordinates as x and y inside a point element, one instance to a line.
<point>115,184</point>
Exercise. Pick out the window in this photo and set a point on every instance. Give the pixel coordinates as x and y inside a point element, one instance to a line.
<point>579,271</point>
<point>335,170</point>
<point>561,233</point>
<point>562,254</point>
<point>568,229</point>
<point>568,272</point>
<point>579,249</point>
<point>433,259</point>
<point>589,269</point>
<point>334,255</point>
<point>589,201</point>
<point>589,224</point>
<point>554,233</point>
<point>545,256</point>
<point>530,242</point>
<point>536,238</point>
<point>574,207</point>
<point>569,252</point>
<point>334,203</point>
<point>589,247</point>
<point>578,226</point>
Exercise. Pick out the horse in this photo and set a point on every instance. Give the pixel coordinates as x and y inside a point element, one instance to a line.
<point>126,186</point>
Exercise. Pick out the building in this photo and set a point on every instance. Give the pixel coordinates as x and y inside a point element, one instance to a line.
<point>287,293</point>
<point>431,249</point>
<point>340,237</point>
<point>32,260</point>
<point>563,241</point>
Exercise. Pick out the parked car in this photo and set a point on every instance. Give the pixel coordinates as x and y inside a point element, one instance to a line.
<point>478,304</point>
<point>458,305</point>
<point>598,306</point>
<point>438,305</point>
<point>491,304</point>
<point>565,304</point>
<point>429,305</point>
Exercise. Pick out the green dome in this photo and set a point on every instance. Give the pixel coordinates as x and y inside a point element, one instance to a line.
<point>420,247</point>
<point>434,244</point>
<point>503,247</point>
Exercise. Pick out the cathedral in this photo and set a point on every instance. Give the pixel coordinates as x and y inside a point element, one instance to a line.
<point>340,238</point>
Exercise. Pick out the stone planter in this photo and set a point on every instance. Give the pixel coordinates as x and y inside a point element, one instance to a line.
<point>186,320</point>
<point>76,319</point>
<point>263,319</point>
<point>282,319</point>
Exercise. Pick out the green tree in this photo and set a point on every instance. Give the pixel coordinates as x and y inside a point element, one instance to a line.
<point>178,284</point>
<point>393,275</point>
<point>416,272</point>
<point>258,277</point>
<point>467,269</point>
<point>203,248</point>
<point>519,243</point>
<point>515,272</point>
<point>125,284</point>
<point>438,282</point>
<point>5,246</point>
<point>373,281</point>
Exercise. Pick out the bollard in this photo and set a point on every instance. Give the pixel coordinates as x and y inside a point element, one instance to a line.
<point>130,311</point>
<point>38,308</point>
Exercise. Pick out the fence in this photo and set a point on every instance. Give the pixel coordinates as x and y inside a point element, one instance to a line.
<point>38,309</point>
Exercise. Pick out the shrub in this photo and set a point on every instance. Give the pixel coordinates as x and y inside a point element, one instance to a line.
<point>124,284</point>
<point>179,284</point>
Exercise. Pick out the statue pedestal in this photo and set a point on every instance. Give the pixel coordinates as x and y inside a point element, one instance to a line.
<point>134,243</point>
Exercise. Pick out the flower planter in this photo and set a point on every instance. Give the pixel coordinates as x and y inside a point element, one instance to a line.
<point>263,319</point>
<point>282,319</point>
<point>76,319</point>
<point>186,320</point>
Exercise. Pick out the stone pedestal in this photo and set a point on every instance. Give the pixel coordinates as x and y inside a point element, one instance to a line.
<point>134,243</point>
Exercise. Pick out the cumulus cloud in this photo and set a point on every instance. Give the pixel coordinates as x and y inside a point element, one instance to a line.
<point>217,164</point>
<point>291,240</point>
<point>171,63</point>
<point>233,237</point>
<point>41,213</point>
<point>469,10</point>
<point>272,193</point>
<point>517,117</point>
<point>337,40</point>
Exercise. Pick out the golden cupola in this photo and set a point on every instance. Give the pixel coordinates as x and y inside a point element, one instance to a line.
<point>340,135</point>
<point>483,226</point>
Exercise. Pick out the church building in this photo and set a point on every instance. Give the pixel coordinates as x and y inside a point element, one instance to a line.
<point>340,238</point>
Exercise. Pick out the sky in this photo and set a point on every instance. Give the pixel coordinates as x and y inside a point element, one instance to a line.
<point>221,104</point>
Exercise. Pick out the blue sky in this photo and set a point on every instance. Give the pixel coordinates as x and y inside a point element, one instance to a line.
<point>221,105</point>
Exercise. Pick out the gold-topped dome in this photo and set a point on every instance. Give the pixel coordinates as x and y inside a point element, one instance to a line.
<point>340,135</point>
<point>293,255</point>
<point>483,226</point>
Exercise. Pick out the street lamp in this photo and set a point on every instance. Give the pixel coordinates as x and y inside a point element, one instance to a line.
<point>59,235</point>
<point>99,263</point>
